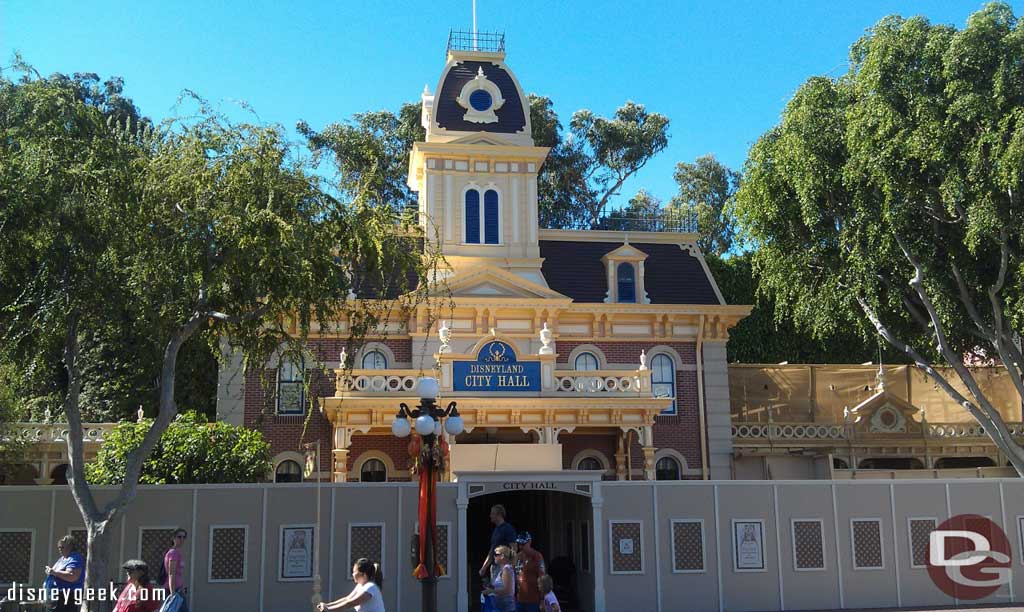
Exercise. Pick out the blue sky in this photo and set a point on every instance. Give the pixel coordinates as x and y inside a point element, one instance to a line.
<point>722,72</point>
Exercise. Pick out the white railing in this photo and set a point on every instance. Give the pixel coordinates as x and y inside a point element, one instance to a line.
<point>821,431</point>
<point>633,382</point>
<point>58,432</point>
<point>376,381</point>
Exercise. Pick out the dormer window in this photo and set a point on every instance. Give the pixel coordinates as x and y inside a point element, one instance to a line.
<point>626,276</point>
<point>625,267</point>
<point>486,225</point>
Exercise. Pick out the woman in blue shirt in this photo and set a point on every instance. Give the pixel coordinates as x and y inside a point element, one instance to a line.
<point>67,575</point>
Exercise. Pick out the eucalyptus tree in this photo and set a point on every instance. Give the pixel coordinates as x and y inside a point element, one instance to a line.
<point>892,196</point>
<point>707,189</point>
<point>195,224</point>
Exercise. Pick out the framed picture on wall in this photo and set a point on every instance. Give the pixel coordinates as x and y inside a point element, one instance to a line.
<point>296,552</point>
<point>748,545</point>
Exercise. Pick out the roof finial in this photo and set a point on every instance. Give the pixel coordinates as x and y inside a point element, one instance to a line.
<point>880,377</point>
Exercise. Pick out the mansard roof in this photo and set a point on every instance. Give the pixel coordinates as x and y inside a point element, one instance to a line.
<point>672,275</point>
<point>448,114</point>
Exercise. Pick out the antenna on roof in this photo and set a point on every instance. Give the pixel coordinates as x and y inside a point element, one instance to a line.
<point>474,25</point>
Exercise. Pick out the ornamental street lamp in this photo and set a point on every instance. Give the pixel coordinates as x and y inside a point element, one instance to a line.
<point>429,462</point>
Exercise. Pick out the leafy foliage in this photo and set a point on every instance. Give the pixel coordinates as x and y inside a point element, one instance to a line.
<point>706,191</point>
<point>589,165</point>
<point>371,153</point>
<point>191,451</point>
<point>892,196</point>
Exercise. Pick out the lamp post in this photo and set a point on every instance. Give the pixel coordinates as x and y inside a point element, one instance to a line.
<point>427,419</point>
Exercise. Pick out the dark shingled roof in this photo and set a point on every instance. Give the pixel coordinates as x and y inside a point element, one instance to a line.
<point>671,275</point>
<point>448,113</point>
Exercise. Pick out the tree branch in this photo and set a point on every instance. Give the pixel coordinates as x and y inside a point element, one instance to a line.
<point>76,446</point>
<point>236,319</point>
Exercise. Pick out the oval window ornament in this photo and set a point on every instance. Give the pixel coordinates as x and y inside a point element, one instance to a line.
<point>480,100</point>
<point>480,97</point>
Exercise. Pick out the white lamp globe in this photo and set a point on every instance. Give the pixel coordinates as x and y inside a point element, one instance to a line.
<point>400,427</point>
<point>437,428</point>
<point>453,425</point>
<point>424,425</point>
<point>427,387</point>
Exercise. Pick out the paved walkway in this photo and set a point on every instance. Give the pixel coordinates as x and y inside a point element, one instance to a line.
<point>981,608</point>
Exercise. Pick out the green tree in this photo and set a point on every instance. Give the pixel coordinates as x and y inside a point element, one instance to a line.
<point>194,224</point>
<point>588,166</point>
<point>770,335</point>
<point>707,189</point>
<point>371,153</point>
<point>191,451</point>
<point>892,197</point>
<point>643,212</point>
<point>12,445</point>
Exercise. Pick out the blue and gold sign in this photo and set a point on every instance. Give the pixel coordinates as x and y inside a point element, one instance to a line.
<point>496,369</point>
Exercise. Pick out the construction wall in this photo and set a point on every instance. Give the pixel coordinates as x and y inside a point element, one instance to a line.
<point>818,393</point>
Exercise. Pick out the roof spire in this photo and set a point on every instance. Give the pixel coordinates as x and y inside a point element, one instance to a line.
<point>880,377</point>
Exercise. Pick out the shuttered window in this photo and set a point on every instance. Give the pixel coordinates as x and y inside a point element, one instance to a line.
<point>491,217</point>
<point>473,217</point>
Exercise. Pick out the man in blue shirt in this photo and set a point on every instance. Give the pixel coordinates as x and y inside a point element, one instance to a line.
<point>68,575</point>
<point>504,534</point>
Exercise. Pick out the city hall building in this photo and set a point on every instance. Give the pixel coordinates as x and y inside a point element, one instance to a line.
<point>589,350</point>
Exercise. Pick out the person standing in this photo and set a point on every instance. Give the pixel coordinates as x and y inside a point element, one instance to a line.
<point>504,534</point>
<point>503,585</point>
<point>173,574</point>
<point>67,575</point>
<point>529,569</point>
<point>366,596</point>
<point>550,602</point>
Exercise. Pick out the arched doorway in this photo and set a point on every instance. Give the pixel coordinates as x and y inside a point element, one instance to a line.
<point>562,527</point>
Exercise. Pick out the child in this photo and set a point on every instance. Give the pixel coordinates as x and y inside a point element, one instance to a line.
<point>549,603</point>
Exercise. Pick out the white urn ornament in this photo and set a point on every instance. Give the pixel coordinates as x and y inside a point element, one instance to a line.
<point>545,340</point>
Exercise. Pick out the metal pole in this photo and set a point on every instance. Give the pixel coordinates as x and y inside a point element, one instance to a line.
<point>429,583</point>
<point>317,597</point>
<point>474,25</point>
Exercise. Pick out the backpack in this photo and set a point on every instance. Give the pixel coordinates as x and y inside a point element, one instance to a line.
<point>161,575</point>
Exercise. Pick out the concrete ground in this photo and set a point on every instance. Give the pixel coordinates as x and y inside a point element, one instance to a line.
<point>982,608</point>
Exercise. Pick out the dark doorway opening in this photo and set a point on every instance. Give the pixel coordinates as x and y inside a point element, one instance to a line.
<point>561,525</point>
<point>946,463</point>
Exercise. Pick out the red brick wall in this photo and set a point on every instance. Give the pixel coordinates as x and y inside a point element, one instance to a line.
<point>395,448</point>
<point>288,433</point>
<point>681,431</point>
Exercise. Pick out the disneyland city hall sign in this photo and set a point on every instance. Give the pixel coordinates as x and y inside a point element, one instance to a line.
<point>496,369</point>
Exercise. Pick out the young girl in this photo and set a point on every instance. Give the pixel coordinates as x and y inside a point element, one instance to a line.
<point>366,596</point>
<point>549,603</point>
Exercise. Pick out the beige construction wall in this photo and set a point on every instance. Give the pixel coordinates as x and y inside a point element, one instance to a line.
<point>652,581</point>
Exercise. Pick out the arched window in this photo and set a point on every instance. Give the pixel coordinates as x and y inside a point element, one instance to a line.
<point>472,217</point>
<point>491,217</point>
<point>945,463</point>
<point>373,470</point>
<point>375,360</point>
<point>587,361</point>
<point>291,390</point>
<point>839,464</point>
<point>288,471</point>
<point>590,463</point>
<point>891,463</point>
<point>667,468</point>
<point>60,474</point>
<point>663,379</point>
<point>626,275</point>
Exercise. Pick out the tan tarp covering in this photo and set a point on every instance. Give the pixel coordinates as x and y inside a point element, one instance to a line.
<point>506,457</point>
<point>818,393</point>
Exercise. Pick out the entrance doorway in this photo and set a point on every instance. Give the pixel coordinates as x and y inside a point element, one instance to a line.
<point>562,528</point>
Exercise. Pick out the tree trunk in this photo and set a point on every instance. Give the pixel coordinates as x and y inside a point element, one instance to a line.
<point>97,561</point>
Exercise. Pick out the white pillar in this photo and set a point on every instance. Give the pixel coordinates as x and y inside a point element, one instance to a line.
<point>462,502</point>
<point>597,502</point>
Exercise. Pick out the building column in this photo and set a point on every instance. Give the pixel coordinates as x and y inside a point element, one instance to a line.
<point>716,408</point>
<point>597,504</point>
<point>620,457</point>
<point>342,440</point>
<point>462,543</point>
<point>649,462</point>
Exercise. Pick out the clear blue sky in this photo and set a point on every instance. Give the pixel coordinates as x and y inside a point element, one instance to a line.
<point>721,71</point>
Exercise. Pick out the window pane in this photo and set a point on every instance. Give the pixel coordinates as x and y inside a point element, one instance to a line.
<point>473,216</point>
<point>586,361</point>
<point>373,470</point>
<point>289,397</point>
<point>589,463</point>
<point>663,379</point>
<point>667,468</point>
<point>491,217</point>
<point>288,471</point>
<point>374,360</point>
<point>627,283</point>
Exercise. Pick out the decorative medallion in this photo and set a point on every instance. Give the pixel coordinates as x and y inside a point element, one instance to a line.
<point>888,419</point>
<point>480,97</point>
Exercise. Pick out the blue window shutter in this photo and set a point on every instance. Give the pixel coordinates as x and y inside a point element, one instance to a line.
<point>473,216</point>
<point>491,217</point>
<point>627,283</point>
